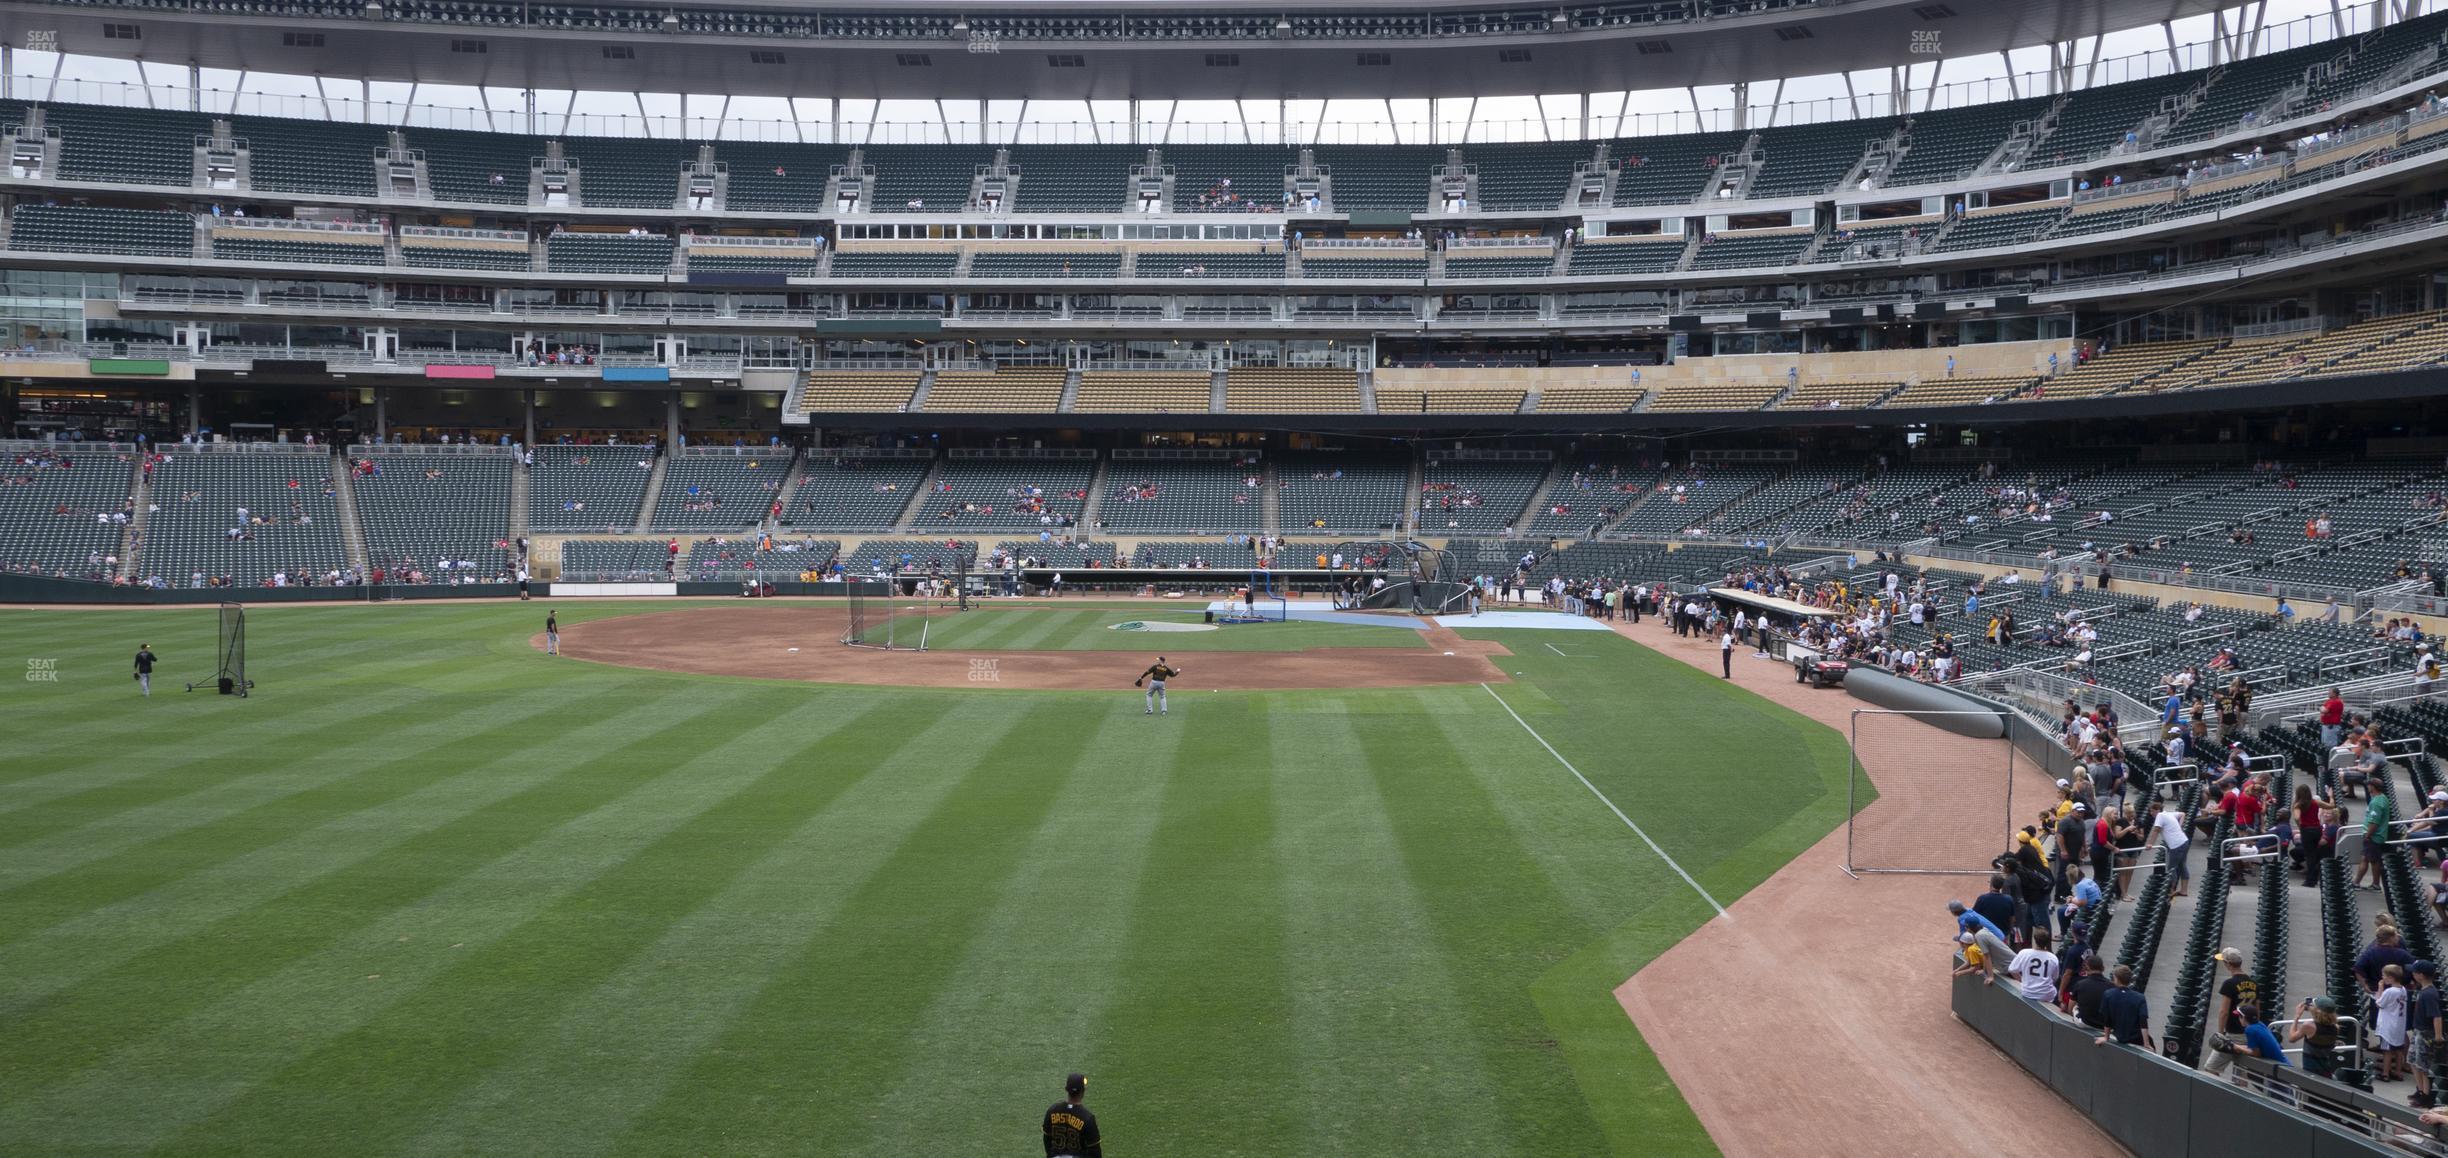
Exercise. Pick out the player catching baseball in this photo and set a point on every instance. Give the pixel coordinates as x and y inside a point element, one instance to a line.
<point>1153,679</point>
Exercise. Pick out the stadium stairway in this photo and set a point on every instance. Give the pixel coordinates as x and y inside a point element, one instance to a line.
<point>918,397</point>
<point>789,492</point>
<point>521,482</point>
<point>352,528</point>
<point>916,506</point>
<point>1538,495</point>
<point>1270,495</point>
<point>1095,504</point>
<point>1215,393</point>
<point>654,491</point>
<point>1411,490</point>
<point>1070,397</point>
<point>131,540</point>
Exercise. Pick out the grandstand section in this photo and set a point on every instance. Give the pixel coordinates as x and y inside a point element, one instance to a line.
<point>974,489</point>
<point>719,488</point>
<point>841,490</point>
<point>419,507</point>
<point>60,509</point>
<point>1183,492</point>
<point>246,515</point>
<point>589,487</point>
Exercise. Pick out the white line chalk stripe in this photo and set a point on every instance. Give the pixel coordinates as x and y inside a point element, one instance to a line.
<point>1602,799</point>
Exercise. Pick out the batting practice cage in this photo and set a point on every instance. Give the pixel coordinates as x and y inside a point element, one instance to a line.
<point>875,618</point>
<point>1929,792</point>
<point>1428,582</point>
<point>1262,601</point>
<point>230,676</point>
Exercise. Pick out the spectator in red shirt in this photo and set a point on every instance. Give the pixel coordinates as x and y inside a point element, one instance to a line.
<point>2332,719</point>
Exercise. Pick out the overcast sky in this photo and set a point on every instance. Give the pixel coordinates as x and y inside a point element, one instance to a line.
<point>1526,117</point>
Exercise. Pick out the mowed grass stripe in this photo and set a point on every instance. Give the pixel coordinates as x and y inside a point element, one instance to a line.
<point>862,985</point>
<point>84,827</point>
<point>1048,958</point>
<point>612,1054</point>
<point>163,745</point>
<point>173,730</point>
<point>1050,630</point>
<point>407,914</point>
<point>1706,794</point>
<point>1455,846</point>
<point>125,852</point>
<point>1579,848</point>
<point>489,1000</point>
<point>1198,1025</point>
<point>1371,998</point>
<point>985,630</point>
<point>43,961</point>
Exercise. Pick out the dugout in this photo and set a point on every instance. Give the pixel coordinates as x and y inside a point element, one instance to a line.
<point>1785,615</point>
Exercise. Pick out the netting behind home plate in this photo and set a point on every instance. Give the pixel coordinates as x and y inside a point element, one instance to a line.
<point>1925,799</point>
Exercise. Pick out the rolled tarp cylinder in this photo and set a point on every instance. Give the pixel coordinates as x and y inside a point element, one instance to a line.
<point>1964,715</point>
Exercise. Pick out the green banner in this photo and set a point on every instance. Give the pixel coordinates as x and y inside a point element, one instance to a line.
<point>155,366</point>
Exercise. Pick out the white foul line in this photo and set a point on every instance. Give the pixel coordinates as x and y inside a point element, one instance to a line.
<point>1602,799</point>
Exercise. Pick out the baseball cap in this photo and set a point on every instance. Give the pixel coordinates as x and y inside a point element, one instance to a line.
<point>2426,969</point>
<point>2079,806</point>
<point>2079,928</point>
<point>1075,1085</point>
<point>2439,794</point>
<point>2231,957</point>
<point>2065,784</point>
<point>1964,938</point>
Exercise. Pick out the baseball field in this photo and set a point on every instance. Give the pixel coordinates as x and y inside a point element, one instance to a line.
<point>431,891</point>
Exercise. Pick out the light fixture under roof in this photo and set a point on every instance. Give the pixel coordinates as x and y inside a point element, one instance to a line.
<point>960,24</point>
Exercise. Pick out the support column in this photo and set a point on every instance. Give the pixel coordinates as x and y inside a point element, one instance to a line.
<point>530,399</point>
<point>195,87</point>
<point>1742,104</point>
<point>1585,103</point>
<point>671,421</point>
<point>8,72</point>
<point>195,409</point>
<point>1135,134</point>
<point>382,414</point>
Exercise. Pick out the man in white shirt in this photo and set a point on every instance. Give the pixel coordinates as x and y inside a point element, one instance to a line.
<point>1919,613</point>
<point>1725,653</point>
<point>2168,829</point>
<point>2036,968</point>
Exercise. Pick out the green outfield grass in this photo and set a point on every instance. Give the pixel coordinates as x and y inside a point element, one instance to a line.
<point>429,892</point>
<point>1105,629</point>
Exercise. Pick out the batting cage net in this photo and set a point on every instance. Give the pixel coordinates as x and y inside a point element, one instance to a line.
<point>1924,798</point>
<point>876,620</point>
<point>1261,600</point>
<point>230,676</point>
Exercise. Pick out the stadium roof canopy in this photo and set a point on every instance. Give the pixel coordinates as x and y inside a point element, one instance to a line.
<point>1081,49</point>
